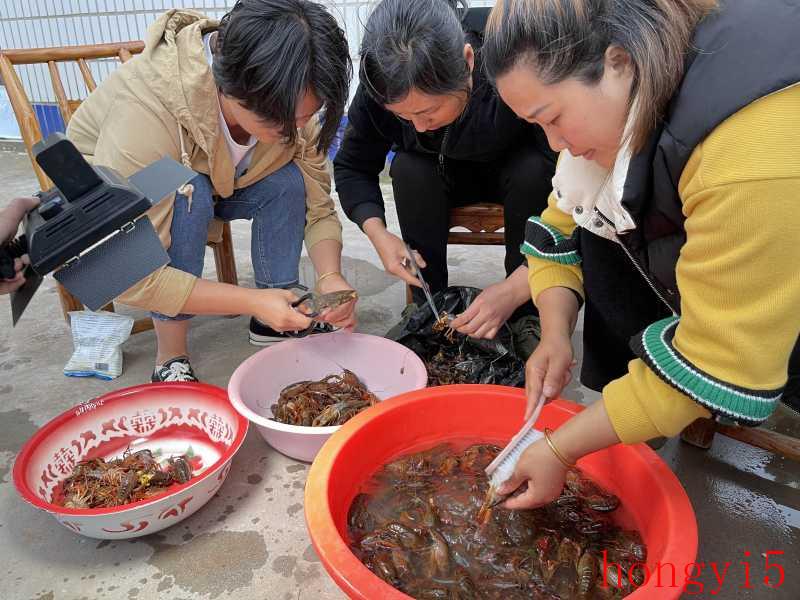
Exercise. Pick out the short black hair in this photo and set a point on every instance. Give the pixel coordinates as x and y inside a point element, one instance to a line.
<point>414,44</point>
<point>269,53</point>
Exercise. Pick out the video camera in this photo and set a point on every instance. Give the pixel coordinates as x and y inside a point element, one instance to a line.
<point>90,228</point>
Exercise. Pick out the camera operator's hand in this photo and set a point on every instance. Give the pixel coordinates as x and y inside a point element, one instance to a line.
<point>10,218</point>
<point>9,285</point>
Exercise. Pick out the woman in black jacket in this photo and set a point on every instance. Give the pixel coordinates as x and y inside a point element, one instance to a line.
<point>423,94</point>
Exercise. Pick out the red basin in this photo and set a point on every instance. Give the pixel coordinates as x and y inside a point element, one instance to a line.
<point>653,500</point>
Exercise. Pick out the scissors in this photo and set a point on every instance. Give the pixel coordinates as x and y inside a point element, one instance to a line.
<point>318,303</point>
<point>416,273</point>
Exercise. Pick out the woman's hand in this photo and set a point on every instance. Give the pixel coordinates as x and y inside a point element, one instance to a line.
<point>487,313</point>
<point>343,316</point>
<point>548,370</point>
<point>541,474</point>
<point>392,251</point>
<point>274,308</point>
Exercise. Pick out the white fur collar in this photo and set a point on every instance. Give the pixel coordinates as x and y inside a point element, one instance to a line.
<point>584,188</point>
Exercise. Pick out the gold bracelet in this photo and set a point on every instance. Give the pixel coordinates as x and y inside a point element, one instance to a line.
<point>559,456</point>
<point>326,275</point>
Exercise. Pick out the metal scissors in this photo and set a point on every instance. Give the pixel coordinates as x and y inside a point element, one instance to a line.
<point>418,274</point>
<point>318,303</point>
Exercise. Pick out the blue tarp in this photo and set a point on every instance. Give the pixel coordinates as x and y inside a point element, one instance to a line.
<point>50,120</point>
<point>47,114</point>
<point>8,124</point>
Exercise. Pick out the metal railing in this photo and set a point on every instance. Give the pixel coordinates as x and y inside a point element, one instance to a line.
<point>49,23</point>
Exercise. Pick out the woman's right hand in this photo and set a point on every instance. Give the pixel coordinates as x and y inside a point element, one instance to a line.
<point>392,251</point>
<point>273,307</point>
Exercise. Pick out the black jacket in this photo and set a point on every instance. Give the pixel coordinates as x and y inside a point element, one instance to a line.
<point>486,132</point>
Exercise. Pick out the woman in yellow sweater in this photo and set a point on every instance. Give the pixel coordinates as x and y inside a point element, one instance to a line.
<point>674,213</point>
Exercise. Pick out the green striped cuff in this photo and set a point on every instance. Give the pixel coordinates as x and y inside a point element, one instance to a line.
<point>548,243</point>
<point>746,406</point>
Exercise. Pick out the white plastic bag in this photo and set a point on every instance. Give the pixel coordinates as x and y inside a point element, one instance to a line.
<point>97,337</point>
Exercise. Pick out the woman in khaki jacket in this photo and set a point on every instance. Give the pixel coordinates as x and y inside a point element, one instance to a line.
<point>237,101</point>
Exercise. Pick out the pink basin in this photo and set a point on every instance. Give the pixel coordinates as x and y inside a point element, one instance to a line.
<point>385,367</point>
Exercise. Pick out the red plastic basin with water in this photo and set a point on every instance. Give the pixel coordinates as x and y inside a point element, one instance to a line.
<point>653,500</point>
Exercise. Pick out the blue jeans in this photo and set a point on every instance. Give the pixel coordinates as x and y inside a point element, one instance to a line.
<point>277,207</point>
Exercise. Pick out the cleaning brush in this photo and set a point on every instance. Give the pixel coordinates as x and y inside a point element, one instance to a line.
<point>502,467</point>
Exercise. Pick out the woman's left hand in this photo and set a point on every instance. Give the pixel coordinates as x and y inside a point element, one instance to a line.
<point>487,313</point>
<point>541,474</point>
<point>343,316</point>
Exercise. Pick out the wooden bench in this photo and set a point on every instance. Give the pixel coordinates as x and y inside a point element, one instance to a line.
<point>482,222</point>
<point>701,434</point>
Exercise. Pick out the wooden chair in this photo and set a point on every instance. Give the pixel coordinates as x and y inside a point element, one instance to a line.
<point>32,133</point>
<point>482,222</point>
<point>701,434</point>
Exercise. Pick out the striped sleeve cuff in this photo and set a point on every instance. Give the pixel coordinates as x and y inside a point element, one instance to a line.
<point>546,242</point>
<point>641,406</point>
<point>745,406</point>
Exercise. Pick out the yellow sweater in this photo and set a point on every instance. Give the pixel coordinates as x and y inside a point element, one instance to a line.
<point>737,273</point>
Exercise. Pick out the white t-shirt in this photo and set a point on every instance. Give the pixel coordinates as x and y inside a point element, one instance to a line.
<point>240,154</point>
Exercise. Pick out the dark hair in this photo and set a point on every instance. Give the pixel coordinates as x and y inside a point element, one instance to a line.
<point>269,53</point>
<point>414,44</point>
<point>560,39</point>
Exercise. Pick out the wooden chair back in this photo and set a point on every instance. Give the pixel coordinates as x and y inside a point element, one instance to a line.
<point>23,109</point>
<point>32,132</point>
<point>483,223</point>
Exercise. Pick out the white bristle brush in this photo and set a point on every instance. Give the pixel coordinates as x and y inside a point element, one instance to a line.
<point>502,467</point>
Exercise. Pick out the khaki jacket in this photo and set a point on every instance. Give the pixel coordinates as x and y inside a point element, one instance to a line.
<point>164,96</point>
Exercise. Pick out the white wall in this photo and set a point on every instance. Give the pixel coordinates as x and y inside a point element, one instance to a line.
<point>42,23</point>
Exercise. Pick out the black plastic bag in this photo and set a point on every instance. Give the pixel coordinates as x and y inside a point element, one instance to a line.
<point>464,359</point>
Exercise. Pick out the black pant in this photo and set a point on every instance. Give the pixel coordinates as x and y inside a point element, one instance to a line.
<point>791,395</point>
<point>521,182</point>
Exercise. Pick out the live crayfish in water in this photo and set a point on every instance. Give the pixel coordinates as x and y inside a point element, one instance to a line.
<point>332,400</point>
<point>97,483</point>
<point>415,525</point>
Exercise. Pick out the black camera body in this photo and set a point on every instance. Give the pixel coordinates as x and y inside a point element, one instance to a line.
<point>91,227</point>
<point>86,205</point>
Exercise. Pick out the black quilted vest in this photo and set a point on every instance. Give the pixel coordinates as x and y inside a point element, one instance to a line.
<point>746,50</point>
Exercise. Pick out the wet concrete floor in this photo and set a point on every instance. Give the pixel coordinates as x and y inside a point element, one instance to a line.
<point>250,542</point>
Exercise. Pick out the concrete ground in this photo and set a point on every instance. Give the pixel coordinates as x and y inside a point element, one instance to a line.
<point>250,541</point>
